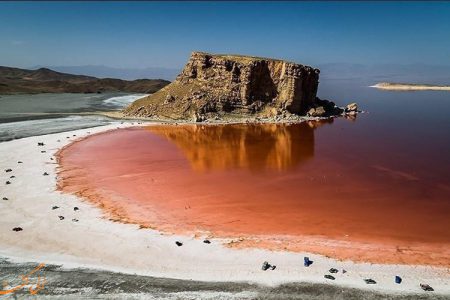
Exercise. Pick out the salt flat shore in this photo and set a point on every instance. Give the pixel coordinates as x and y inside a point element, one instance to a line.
<point>86,238</point>
<point>409,87</point>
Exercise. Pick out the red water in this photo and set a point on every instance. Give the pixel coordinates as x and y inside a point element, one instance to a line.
<point>316,187</point>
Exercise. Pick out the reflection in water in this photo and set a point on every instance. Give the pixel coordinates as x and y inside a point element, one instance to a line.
<point>253,146</point>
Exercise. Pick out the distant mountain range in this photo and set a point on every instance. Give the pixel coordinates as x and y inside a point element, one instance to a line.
<point>121,73</point>
<point>44,80</point>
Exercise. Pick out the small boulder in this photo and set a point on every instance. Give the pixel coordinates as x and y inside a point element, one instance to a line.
<point>45,174</point>
<point>55,207</point>
<point>61,218</point>
<point>8,170</point>
<point>351,107</point>
<point>41,144</point>
<point>74,220</point>
<point>19,162</point>
<point>8,182</point>
<point>5,198</point>
<point>12,176</point>
<point>179,244</point>
<point>265,266</point>
<point>398,279</point>
<point>43,151</point>
<point>76,208</point>
<point>317,112</point>
<point>426,287</point>
<point>17,229</point>
<point>207,241</point>
<point>333,270</point>
<point>307,262</point>
<point>369,281</point>
<point>327,276</point>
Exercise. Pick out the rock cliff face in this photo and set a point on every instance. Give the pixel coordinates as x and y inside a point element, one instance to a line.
<point>215,85</point>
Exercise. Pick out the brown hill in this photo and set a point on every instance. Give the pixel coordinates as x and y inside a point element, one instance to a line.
<point>15,80</point>
<point>211,86</point>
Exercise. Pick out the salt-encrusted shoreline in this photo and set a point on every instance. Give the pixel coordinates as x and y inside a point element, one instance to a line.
<point>95,242</point>
<point>409,87</point>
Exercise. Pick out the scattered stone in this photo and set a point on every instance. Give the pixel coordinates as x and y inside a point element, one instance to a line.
<point>351,107</point>
<point>45,174</point>
<point>43,151</point>
<point>327,276</point>
<point>344,271</point>
<point>317,112</point>
<point>369,281</point>
<point>74,135</point>
<point>61,218</point>
<point>265,266</point>
<point>398,279</point>
<point>207,241</point>
<point>426,287</point>
<point>8,170</point>
<point>41,144</point>
<point>55,207</point>
<point>12,176</point>
<point>74,220</point>
<point>333,270</point>
<point>59,141</point>
<point>51,158</point>
<point>5,198</point>
<point>273,267</point>
<point>19,162</point>
<point>17,229</point>
<point>76,208</point>
<point>179,244</point>
<point>307,262</point>
<point>8,182</point>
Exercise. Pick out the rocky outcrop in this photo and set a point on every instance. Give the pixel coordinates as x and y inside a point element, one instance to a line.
<point>216,85</point>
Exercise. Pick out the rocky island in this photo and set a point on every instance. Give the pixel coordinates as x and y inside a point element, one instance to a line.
<point>212,87</point>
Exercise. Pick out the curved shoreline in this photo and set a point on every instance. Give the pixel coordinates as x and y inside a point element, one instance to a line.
<point>96,242</point>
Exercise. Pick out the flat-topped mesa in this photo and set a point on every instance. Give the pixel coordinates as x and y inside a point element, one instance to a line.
<point>220,84</point>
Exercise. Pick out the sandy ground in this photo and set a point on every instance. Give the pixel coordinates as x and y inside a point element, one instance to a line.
<point>409,87</point>
<point>86,238</point>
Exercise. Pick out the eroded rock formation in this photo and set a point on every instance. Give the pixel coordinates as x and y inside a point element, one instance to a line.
<point>214,85</point>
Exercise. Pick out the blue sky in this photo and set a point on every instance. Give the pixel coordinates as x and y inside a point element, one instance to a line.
<point>157,34</point>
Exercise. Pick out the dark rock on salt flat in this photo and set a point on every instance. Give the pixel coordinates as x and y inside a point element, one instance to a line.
<point>8,170</point>
<point>333,270</point>
<point>41,144</point>
<point>207,241</point>
<point>265,266</point>
<point>45,174</point>
<point>370,281</point>
<point>12,176</point>
<point>20,162</point>
<point>55,207</point>
<point>43,151</point>
<point>5,198</point>
<point>179,244</point>
<point>76,208</point>
<point>61,218</point>
<point>17,229</point>
<point>327,276</point>
<point>8,182</point>
<point>426,287</point>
